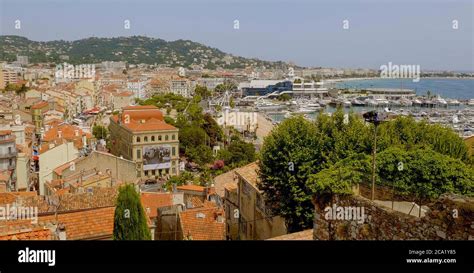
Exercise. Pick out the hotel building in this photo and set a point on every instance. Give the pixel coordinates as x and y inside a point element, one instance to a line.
<point>140,134</point>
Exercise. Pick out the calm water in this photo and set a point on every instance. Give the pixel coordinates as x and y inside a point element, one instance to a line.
<point>446,88</point>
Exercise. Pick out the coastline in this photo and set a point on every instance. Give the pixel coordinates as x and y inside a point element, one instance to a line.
<point>378,78</point>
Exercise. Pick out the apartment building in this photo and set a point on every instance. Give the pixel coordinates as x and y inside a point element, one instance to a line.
<point>7,76</point>
<point>8,154</point>
<point>140,134</point>
<point>181,87</point>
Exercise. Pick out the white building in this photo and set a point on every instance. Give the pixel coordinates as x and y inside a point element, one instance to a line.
<point>137,87</point>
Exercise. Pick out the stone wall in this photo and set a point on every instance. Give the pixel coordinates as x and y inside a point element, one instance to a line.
<point>451,217</point>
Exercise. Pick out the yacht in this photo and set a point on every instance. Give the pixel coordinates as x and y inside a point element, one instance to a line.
<point>439,101</point>
<point>453,102</point>
<point>268,106</point>
<point>357,102</point>
<point>405,102</point>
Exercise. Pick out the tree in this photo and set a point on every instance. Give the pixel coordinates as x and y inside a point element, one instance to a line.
<point>287,160</point>
<point>192,136</point>
<point>182,179</point>
<point>130,220</point>
<point>202,91</point>
<point>300,159</point>
<point>201,154</point>
<point>99,132</point>
<point>241,153</point>
<point>213,130</point>
<point>284,97</point>
<point>425,173</point>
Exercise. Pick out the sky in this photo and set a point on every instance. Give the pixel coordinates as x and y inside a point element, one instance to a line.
<point>306,32</point>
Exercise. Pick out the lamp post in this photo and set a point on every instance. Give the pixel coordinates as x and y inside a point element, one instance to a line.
<point>376,118</point>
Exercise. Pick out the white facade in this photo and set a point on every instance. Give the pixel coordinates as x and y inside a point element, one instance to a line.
<point>53,158</point>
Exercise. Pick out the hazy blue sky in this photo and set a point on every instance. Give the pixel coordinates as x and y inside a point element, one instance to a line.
<point>307,32</point>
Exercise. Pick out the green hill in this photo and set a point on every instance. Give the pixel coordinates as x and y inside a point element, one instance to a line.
<point>134,50</point>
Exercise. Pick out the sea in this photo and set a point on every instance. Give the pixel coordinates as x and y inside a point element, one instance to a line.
<point>461,89</point>
<point>446,88</point>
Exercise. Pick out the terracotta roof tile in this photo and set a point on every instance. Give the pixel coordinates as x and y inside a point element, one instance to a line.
<point>191,188</point>
<point>202,224</point>
<point>37,234</point>
<point>153,201</point>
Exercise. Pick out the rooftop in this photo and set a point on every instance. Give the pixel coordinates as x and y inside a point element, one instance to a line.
<point>152,201</point>
<point>298,236</point>
<point>249,173</point>
<point>191,188</point>
<point>202,224</point>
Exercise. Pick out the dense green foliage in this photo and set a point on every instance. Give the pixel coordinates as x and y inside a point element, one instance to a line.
<point>134,50</point>
<point>130,220</point>
<point>332,154</point>
<point>100,132</point>
<point>425,173</point>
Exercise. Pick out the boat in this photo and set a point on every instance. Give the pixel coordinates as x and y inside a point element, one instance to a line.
<point>357,102</point>
<point>439,101</point>
<point>405,102</point>
<point>268,106</point>
<point>371,102</point>
<point>470,102</point>
<point>453,102</point>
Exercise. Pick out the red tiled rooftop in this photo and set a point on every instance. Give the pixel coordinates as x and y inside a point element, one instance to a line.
<point>40,105</point>
<point>37,234</point>
<point>153,201</point>
<point>87,224</point>
<point>202,224</point>
<point>191,188</point>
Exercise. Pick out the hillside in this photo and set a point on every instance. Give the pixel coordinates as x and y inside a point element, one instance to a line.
<point>134,50</point>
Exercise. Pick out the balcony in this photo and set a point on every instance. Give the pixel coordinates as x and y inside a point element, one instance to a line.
<point>8,155</point>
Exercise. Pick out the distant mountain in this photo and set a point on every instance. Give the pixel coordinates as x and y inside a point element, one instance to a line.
<point>134,50</point>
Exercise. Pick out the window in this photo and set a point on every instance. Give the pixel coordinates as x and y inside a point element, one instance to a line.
<point>146,173</point>
<point>145,139</point>
<point>139,153</point>
<point>152,138</point>
<point>166,137</point>
<point>159,138</point>
<point>138,139</point>
<point>173,151</point>
<point>173,171</point>
<point>153,172</point>
<point>173,136</point>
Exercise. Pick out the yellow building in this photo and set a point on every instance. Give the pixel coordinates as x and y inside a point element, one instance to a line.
<point>256,222</point>
<point>140,134</point>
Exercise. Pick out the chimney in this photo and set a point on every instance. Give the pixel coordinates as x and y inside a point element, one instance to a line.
<point>84,140</point>
<point>76,133</point>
